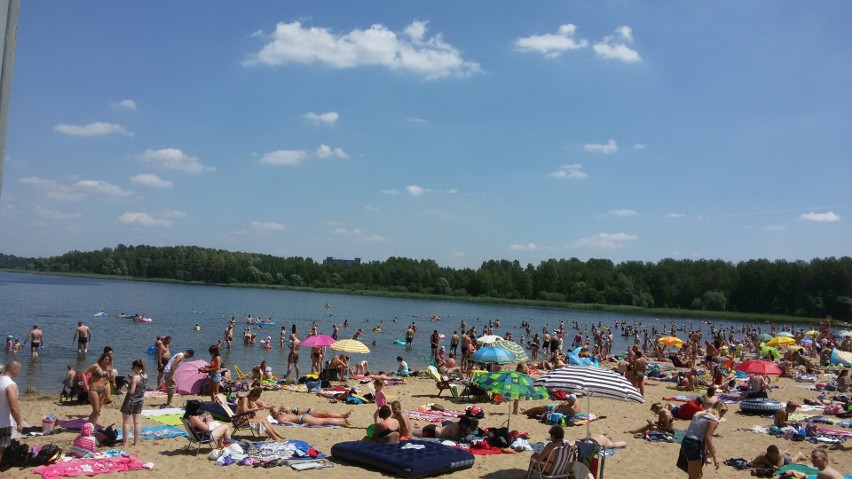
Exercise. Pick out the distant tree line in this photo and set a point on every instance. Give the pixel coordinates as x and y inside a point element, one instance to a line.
<point>818,288</point>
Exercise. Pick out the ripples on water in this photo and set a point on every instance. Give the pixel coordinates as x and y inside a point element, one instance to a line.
<point>57,303</point>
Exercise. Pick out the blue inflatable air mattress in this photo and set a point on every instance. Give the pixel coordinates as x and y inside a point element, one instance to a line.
<point>406,459</point>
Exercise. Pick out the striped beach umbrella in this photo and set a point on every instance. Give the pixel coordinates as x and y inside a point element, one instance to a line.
<point>514,348</point>
<point>488,339</point>
<point>350,346</point>
<point>511,385</point>
<point>591,382</point>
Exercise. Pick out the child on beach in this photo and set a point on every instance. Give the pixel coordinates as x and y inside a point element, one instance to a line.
<point>85,444</point>
<point>380,398</point>
<point>133,402</point>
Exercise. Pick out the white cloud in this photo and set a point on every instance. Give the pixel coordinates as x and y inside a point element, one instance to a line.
<point>409,51</point>
<point>143,219</point>
<point>606,240</point>
<point>614,47</point>
<point>390,192</point>
<point>52,189</point>
<point>284,157</point>
<point>48,214</point>
<point>128,105</point>
<point>358,235</point>
<point>325,151</point>
<point>523,247</point>
<point>569,172</point>
<point>149,179</point>
<point>329,118</point>
<point>552,44</point>
<point>267,226</point>
<point>829,217</point>
<point>99,128</point>
<point>606,148</point>
<point>640,146</point>
<point>675,215</point>
<point>175,159</point>
<point>415,190</point>
<point>174,214</point>
<point>99,187</point>
<point>621,212</point>
<point>296,157</point>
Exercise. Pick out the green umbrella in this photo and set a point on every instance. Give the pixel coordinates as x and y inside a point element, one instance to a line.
<point>511,385</point>
<point>764,337</point>
<point>517,351</point>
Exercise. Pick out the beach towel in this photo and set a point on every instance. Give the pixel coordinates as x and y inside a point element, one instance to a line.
<point>89,467</point>
<point>286,450</point>
<point>168,419</point>
<point>433,416</point>
<point>75,424</point>
<point>157,432</point>
<point>162,412</point>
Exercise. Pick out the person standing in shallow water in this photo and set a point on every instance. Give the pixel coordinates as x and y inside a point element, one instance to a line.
<point>36,339</point>
<point>293,357</point>
<point>82,335</point>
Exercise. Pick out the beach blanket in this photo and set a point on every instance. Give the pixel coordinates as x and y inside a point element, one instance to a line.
<point>582,419</point>
<point>155,393</point>
<point>89,467</point>
<point>157,432</point>
<point>680,398</point>
<point>658,436</point>
<point>298,388</point>
<point>433,416</point>
<point>162,412</point>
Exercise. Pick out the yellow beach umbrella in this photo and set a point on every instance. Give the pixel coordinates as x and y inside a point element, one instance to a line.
<point>671,341</point>
<point>812,332</point>
<point>780,341</point>
<point>794,346</point>
<point>350,346</point>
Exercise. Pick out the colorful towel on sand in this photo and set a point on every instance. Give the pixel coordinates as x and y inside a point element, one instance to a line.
<point>157,432</point>
<point>433,416</point>
<point>89,467</point>
<point>155,393</point>
<point>287,450</point>
<point>297,388</point>
<point>162,412</point>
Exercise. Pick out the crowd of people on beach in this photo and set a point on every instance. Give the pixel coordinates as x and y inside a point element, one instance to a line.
<point>700,363</point>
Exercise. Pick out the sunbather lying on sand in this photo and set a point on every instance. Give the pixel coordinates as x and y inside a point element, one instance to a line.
<point>569,406</point>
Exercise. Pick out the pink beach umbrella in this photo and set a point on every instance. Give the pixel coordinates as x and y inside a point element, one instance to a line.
<point>187,377</point>
<point>318,341</point>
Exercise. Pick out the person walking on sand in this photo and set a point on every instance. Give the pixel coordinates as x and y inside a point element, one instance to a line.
<point>82,336</point>
<point>10,413</point>
<point>36,339</point>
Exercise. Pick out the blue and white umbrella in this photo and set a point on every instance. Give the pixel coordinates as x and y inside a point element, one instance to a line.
<point>492,355</point>
<point>590,381</point>
<point>786,334</point>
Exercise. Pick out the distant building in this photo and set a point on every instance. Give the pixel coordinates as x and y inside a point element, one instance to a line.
<point>342,262</point>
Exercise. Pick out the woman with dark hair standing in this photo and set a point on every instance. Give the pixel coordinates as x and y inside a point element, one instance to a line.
<point>214,371</point>
<point>133,402</point>
<point>95,382</point>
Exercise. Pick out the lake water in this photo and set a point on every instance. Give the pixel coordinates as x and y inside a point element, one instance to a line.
<point>57,303</point>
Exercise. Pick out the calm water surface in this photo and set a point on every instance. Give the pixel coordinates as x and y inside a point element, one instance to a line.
<point>57,303</point>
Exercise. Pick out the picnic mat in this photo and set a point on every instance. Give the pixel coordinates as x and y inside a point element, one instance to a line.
<point>168,416</point>
<point>157,432</point>
<point>89,467</point>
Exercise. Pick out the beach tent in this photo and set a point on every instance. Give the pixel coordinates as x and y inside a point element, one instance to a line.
<point>842,358</point>
<point>187,377</point>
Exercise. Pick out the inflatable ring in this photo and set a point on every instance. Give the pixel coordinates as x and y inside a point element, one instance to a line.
<point>762,406</point>
<point>399,341</point>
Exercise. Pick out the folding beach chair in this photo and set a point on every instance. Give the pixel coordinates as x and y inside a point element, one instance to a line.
<point>239,421</point>
<point>558,463</point>
<point>195,437</point>
<point>240,374</point>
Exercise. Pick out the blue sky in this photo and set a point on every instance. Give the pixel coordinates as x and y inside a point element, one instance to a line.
<point>454,131</point>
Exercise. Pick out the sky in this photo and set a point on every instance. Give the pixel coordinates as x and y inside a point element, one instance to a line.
<point>454,131</point>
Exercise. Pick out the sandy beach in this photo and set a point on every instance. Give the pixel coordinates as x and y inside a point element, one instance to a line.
<point>640,459</point>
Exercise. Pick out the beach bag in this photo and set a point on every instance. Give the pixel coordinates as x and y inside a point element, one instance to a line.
<point>16,454</point>
<point>47,455</point>
<point>500,437</point>
<point>314,385</point>
<point>110,436</point>
<point>475,411</point>
<point>553,418</point>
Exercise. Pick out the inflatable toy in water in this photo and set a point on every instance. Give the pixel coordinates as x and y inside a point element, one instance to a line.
<point>399,341</point>
<point>100,315</point>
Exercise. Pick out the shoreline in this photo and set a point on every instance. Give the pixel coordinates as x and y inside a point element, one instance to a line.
<point>585,307</point>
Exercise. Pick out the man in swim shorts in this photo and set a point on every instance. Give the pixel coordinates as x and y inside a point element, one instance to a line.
<point>36,339</point>
<point>82,336</point>
<point>169,373</point>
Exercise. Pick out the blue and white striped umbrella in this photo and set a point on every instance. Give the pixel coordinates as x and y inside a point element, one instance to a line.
<point>492,355</point>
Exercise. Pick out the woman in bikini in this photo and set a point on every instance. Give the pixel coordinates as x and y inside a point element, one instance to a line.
<point>293,357</point>
<point>250,403</point>
<point>214,371</point>
<point>95,382</point>
<point>662,424</point>
<point>310,417</point>
<point>386,429</point>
